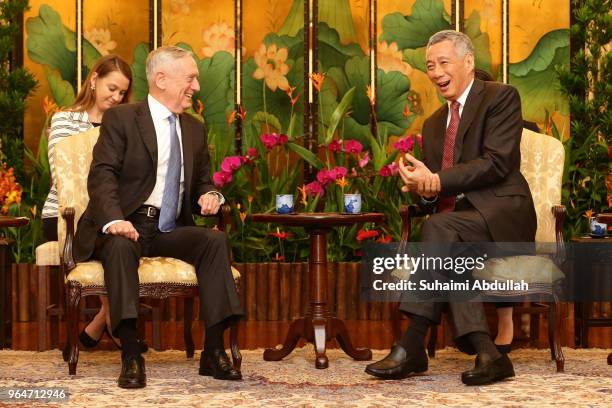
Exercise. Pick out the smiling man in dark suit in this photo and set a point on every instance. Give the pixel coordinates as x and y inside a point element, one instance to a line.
<point>470,181</point>
<point>149,175</point>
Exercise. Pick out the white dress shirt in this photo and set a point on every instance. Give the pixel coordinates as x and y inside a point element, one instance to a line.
<point>160,114</point>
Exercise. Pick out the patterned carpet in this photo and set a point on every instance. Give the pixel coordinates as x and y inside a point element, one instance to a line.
<point>173,381</point>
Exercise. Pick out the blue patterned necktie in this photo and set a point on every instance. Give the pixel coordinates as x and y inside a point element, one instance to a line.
<point>169,206</point>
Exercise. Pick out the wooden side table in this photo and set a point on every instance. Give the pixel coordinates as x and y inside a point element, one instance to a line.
<point>318,326</point>
<point>5,278</point>
<point>583,310</point>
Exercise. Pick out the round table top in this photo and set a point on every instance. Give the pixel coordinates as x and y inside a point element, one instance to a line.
<point>324,220</point>
<point>606,218</point>
<point>7,221</point>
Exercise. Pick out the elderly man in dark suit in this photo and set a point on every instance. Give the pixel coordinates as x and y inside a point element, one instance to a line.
<point>470,180</point>
<point>149,175</point>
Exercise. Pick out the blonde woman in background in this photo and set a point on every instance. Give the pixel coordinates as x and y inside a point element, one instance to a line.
<point>108,84</point>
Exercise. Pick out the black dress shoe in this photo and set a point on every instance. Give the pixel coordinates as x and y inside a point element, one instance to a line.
<point>217,365</point>
<point>133,373</point>
<point>492,371</point>
<point>398,364</point>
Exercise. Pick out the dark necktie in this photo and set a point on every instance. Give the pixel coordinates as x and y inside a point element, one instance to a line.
<point>448,156</point>
<point>170,200</point>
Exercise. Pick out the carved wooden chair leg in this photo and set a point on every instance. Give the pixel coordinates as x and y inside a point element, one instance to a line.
<point>156,324</point>
<point>73,299</point>
<point>42,307</point>
<point>188,322</point>
<point>236,356</point>
<point>559,358</point>
<point>551,329</point>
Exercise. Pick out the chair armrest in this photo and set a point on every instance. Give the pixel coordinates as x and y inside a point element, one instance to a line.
<point>559,211</point>
<point>407,213</point>
<point>68,214</point>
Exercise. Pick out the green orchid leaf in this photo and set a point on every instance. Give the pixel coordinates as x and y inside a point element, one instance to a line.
<point>306,154</point>
<point>46,43</point>
<point>378,152</point>
<point>261,120</point>
<point>61,90</point>
<point>292,130</point>
<point>413,31</point>
<point>140,86</point>
<point>535,77</point>
<point>338,114</point>
<point>391,92</point>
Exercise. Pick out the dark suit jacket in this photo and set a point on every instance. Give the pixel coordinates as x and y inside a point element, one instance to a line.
<point>124,166</point>
<point>487,160</point>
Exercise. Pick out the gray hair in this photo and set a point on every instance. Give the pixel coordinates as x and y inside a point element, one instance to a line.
<point>161,56</point>
<point>462,43</point>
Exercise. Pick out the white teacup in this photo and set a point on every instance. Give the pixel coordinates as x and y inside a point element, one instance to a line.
<point>352,203</point>
<point>284,203</point>
<point>597,228</point>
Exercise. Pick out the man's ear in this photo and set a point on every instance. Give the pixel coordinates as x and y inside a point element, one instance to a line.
<point>469,61</point>
<point>160,80</point>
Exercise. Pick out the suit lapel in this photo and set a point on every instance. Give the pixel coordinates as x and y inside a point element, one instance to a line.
<point>437,135</point>
<point>187,135</point>
<point>147,130</point>
<point>472,104</point>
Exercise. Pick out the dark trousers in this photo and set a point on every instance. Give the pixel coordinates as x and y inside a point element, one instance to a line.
<point>465,224</point>
<point>204,248</point>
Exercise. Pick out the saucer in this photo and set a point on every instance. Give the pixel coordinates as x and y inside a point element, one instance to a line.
<point>598,236</point>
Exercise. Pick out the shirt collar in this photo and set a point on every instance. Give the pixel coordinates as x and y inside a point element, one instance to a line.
<point>463,96</point>
<point>158,111</point>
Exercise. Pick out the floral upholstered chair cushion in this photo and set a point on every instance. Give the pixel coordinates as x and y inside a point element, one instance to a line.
<point>150,270</point>
<point>72,160</point>
<point>542,160</point>
<point>73,156</point>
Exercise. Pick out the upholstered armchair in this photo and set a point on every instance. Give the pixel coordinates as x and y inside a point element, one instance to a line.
<point>542,161</point>
<point>159,277</point>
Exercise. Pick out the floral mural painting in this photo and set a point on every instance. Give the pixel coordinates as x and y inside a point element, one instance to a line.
<point>350,154</point>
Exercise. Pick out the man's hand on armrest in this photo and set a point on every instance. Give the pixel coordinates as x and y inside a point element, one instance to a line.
<point>210,202</point>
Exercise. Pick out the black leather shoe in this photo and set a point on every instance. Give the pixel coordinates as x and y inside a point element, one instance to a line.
<point>217,365</point>
<point>398,364</point>
<point>133,373</point>
<point>492,371</point>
